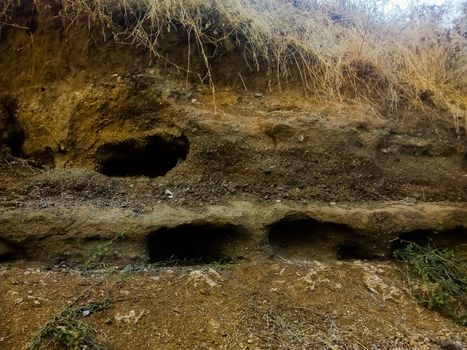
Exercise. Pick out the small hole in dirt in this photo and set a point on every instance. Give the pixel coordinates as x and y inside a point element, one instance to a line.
<point>42,88</point>
<point>152,157</point>
<point>306,238</point>
<point>453,238</point>
<point>191,244</point>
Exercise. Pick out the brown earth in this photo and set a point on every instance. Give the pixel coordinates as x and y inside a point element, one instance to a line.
<point>99,141</point>
<point>273,304</point>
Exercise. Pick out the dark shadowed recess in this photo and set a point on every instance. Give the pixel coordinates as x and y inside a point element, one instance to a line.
<point>452,238</point>
<point>190,244</point>
<point>307,238</point>
<point>153,156</point>
<point>10,251</point>
<point>11,133</point>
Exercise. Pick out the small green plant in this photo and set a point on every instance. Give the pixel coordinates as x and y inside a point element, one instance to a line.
<point>67,331</point>
<point>95,259</point>
<point>437,277</point>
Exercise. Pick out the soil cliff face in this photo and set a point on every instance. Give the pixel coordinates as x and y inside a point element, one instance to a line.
<point>100,138</point>
<point>104,128</point>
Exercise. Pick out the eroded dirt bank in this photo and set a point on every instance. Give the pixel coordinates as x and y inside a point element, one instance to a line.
<point>102,144</point>
<point>236,230</point>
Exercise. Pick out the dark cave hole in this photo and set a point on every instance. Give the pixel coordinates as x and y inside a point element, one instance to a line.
<point>154,156</point>
<point>192,244</point>
<point>455,238</point>
<point>10,251</point>
<point>306,238</point>
<point>11,133</point>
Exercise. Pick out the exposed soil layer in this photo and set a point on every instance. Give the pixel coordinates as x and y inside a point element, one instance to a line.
<point>236,230</point>
<point>88,104</point>
<point>110,160</point>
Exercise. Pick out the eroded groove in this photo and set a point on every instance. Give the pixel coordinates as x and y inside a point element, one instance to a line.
<point>197,243</point>
<point>152,157</point>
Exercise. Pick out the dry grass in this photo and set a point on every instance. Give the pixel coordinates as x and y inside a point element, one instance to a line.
<point>340,50</point>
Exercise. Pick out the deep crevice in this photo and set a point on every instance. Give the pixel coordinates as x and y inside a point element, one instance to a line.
<point>307,238</point>
<point>153,156</point>
<point>197,243</point>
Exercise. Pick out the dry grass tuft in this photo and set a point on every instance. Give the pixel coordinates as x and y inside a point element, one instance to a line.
<point>349,50</point>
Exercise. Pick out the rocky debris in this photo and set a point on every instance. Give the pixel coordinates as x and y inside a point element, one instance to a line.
<point>131,317</point>
<point>375,283</point>
<point>210,277</point>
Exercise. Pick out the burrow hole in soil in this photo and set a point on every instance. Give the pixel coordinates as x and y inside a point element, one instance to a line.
<point>452,238</point>
<point>11,133</point>
<point>306,238</point>
<point>192,244</point>
<point>11,251</point>
<point>153,156</point>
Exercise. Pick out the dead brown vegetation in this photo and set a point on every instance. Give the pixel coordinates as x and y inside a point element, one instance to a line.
<point>351,51</point>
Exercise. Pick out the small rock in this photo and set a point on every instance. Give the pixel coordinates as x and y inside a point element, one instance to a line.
<point>86,313</point>
<point>198,275</point>
<point>130,317</point>
<point>259,95</point>
<point>18,301</point>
